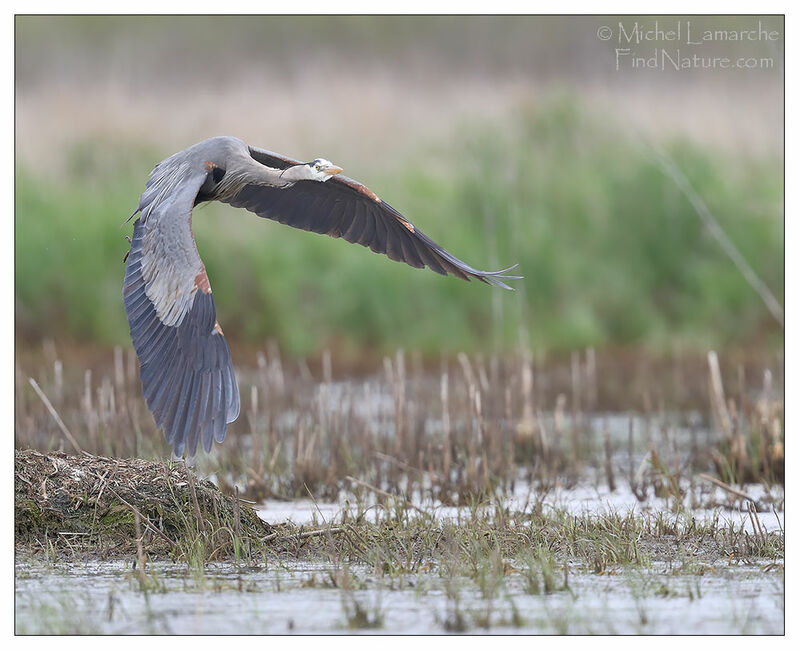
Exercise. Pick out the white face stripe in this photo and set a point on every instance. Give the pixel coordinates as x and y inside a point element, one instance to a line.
<point>317,169</point>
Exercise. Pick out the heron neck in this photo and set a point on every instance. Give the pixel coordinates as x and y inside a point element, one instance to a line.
<point>292,175</point>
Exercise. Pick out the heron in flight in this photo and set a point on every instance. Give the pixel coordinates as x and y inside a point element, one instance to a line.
<point>185,364</point>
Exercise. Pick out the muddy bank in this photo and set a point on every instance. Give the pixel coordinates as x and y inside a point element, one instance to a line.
<point>91,503</point>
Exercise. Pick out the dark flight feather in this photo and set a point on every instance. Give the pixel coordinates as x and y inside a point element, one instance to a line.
<point>181,366</point>
<point>343,207</point>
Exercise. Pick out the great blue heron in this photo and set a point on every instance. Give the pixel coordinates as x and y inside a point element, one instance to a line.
<point>185,365</point>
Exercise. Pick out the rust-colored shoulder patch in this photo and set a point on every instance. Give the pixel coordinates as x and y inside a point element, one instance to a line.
<point>406,223</point>
<point>202,283</point>
<point>217,328</point>
<point>363,189</point>
<point>210,166</point>
<point>358,187</point>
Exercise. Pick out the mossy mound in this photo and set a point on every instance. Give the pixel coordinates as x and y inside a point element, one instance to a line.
<point>91,504</point>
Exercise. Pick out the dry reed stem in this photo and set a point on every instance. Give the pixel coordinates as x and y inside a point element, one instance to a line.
<point>608,466</point>
<point>140,549</point>
<point>55,415</point>
<point>726,487</point>
<point>303,534</point>
<point>445,392</point>
<point>758,529</point>
<point>718,396</point>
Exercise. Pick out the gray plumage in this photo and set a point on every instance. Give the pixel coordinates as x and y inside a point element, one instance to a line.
<point>187,376</point>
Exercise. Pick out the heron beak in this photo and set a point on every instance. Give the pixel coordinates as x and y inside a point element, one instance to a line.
<point>332,170</point>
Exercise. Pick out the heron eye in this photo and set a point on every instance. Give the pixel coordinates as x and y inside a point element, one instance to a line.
<point>316,167</point>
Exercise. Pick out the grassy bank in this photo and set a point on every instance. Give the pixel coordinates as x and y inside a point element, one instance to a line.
<point>611,251</point>
<point>91,506</point>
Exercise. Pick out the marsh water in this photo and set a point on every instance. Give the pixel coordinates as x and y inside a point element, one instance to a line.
<point>299,597</point>
<point>104,597</point>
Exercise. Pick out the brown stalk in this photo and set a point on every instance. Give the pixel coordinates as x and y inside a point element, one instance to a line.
<point>726,487</point>
<point>55,415</point>
<point>142,559</point>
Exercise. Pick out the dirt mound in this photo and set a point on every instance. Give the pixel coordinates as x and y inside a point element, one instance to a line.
<point>91,504</point>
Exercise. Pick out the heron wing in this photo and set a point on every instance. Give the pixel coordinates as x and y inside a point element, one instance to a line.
<point>343,207</point>
<point>185,366</point>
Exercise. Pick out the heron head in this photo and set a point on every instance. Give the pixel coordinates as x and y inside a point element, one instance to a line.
<point>321,169</point>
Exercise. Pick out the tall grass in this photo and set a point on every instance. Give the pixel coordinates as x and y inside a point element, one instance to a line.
<point>611,251</point>
<point>468,431</point>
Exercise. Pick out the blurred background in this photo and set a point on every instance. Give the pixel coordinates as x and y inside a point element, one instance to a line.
<point>527,140</point>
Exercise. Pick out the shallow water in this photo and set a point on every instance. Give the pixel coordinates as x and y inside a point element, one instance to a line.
<point>577,500</point>
<point>103,597</point>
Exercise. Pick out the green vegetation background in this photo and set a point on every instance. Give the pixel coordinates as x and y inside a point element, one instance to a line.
<point>611,251</point>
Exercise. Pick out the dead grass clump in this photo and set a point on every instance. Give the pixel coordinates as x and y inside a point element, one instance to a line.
<point>91,503</point>
<point>750,447</point>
